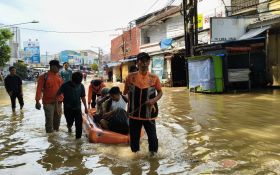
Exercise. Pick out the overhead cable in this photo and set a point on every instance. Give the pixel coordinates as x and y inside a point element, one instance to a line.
<point>73,32</point>
<point>151,7</point>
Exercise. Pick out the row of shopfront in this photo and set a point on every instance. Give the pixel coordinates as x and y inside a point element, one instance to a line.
<point>170,68</point>
<point>247,59</point>
<point>251,62</point>
<point>243,64</point>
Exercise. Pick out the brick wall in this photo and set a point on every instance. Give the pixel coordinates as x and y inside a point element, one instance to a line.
<point>128,41</point>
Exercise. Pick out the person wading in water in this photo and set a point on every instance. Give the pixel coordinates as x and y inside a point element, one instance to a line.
<point>144,90</point>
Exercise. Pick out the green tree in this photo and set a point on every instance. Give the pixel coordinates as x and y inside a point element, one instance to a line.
<point>5,51</point>
<point>94,67</point>
<point>21,70</point>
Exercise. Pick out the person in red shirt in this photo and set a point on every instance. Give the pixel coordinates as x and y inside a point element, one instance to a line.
<point>144,90</point>
<point>94,91</point>
<point>48,85</point>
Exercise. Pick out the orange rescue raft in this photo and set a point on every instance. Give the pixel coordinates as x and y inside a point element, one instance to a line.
<point>96,134</point>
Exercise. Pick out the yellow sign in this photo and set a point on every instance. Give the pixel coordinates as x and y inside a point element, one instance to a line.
<point>200,21</point>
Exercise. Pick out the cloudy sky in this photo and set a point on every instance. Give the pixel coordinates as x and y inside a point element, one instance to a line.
<point>75,16</point>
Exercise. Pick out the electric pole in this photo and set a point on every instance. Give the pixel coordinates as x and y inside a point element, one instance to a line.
<point>100,53</point>
<point>190,29</point>
<point>190,26</point>
<point>46,58</point>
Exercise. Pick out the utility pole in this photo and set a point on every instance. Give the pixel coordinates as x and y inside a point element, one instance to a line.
<point>190,26</point>
<point>190,29</point>
<point>46,59</point>
<point>99,59</point>
<point>195,24</point>
<point>123,49</point>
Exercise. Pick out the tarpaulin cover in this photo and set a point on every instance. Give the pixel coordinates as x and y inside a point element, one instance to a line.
<point>165,43</point>
<point>201,73</point>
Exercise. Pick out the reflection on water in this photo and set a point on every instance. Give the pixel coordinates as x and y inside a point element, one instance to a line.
<point>198,134</point>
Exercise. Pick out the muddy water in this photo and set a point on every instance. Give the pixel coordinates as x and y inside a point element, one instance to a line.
<point>198,134</point>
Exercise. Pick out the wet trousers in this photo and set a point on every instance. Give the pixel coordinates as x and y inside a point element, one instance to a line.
<point>72,115</point>
<point>93,99</point>
<point>52,118</point>
<point>13,100</point>
<point>135,127</point>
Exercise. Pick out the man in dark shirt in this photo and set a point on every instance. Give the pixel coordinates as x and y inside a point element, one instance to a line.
<point>74,92</point>
<point>13,85</point>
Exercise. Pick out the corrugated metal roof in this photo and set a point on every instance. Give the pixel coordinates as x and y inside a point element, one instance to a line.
<point>161,16</point>
<point>266,22</point>
<point>254,32</point>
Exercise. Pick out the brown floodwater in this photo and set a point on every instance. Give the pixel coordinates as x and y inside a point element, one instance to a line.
<point>198,134</point>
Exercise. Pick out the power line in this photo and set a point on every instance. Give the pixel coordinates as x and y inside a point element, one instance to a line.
<point>68,32</point>
<point>169,3</point>
<point>151,7</point>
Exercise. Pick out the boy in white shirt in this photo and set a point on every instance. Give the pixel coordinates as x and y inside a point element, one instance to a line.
<point>115,117</point>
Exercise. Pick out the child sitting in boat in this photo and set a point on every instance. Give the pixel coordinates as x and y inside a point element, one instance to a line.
<point>101,99</point>
<point>97,116</point>
<point>115,117</point>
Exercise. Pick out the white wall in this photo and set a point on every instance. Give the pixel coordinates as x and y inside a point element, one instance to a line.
<point>175,26</point>
<point>156,33</point>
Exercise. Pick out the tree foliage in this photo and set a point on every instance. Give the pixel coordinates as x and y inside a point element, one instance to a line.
<point>94,67</point>
<point>21,70</point>
<point>5,51</point>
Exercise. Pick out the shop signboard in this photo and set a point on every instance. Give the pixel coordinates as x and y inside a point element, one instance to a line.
<point>228,28</point>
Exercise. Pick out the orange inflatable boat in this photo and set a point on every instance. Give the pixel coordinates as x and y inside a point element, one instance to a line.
<point>96,134</point>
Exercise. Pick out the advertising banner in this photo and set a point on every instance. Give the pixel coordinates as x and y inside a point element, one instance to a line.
<point>157,66</point>
<point>32,52</point>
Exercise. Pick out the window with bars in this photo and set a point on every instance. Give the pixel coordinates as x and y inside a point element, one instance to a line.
<point>239,5</point>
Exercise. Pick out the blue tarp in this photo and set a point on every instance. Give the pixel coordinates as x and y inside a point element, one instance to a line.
<point>201,74</point>
<point>165,43</point>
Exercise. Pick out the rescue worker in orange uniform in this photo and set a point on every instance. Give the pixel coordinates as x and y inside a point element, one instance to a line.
<point>144,90</point>
<point>94,91</point>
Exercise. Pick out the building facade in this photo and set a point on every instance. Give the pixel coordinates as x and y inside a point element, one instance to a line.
<point>162,36</point>
<point>124,49</point>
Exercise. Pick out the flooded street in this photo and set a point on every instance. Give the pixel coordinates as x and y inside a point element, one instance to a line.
<point>198,134</point>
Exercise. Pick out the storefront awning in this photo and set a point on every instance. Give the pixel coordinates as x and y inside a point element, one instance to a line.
<point>254,32</point>
<point>113,64</point>
<point>127,60</point>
